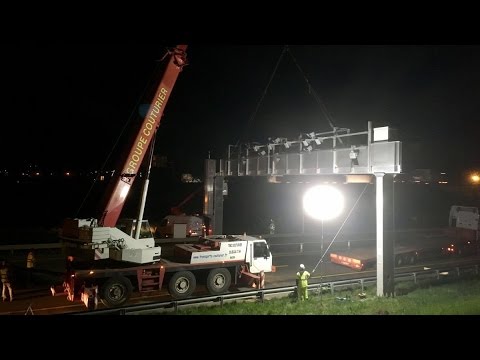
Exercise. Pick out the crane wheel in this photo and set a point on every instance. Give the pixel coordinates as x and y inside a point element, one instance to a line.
<point>182,284</point>
<point>115,291</point>
<point>218,281</point>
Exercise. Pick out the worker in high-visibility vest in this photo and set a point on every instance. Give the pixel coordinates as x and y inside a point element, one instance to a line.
<point>302,283</point>
<point>30,266</point>
<point>4,276</point>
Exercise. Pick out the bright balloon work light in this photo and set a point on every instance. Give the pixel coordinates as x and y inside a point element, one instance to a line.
<point>323,202</point>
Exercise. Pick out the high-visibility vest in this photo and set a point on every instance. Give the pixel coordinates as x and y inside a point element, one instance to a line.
<point>4,275</point>
<point>30,260</point>
<point>302,277</point>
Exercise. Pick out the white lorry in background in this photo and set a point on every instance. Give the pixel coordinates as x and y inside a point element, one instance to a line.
<point>181,226</point>
<point>465,217</point>
<point>464,226</point>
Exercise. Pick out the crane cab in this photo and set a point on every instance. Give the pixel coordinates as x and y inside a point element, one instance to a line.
<point>128,226</point>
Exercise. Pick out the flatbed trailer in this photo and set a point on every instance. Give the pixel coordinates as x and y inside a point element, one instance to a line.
<point>364,258</point>
<point>435,244</point>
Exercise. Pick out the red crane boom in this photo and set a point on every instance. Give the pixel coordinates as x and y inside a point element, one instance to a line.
<point>124,179</point>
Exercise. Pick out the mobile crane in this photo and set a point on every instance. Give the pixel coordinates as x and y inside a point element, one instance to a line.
<point>104,237</point>
<point>216,261</point>
<point>125,256</point>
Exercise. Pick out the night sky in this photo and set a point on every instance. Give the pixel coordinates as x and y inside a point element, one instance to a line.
<point>65,105</point>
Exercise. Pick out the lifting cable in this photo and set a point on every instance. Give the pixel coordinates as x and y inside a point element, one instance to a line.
<point>254,114</point>
<point>127,122</point>
<point>312,91</point>
<point>340,229</point>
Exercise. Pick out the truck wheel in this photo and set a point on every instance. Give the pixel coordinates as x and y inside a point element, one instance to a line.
<point>182,284</point>
<point>116,291</point>
<point>218,281</point>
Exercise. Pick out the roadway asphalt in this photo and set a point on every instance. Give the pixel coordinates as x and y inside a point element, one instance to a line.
<point>50,269</point>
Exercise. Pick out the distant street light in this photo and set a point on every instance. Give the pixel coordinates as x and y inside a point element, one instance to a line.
<point>475,178</point>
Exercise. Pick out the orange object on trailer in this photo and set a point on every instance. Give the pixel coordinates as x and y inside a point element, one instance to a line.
<point>345,260</point>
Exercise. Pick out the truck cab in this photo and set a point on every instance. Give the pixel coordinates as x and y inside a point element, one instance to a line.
<point>128,226</point>
<point>466,217</point>
<point>260,256</point>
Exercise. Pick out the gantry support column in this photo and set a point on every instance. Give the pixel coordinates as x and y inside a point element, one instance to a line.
<point>385,235</point>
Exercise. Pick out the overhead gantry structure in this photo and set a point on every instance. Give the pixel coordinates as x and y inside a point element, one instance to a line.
<point>338,152</point>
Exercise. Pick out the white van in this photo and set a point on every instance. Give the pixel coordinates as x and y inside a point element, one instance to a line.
<point>195,225</point>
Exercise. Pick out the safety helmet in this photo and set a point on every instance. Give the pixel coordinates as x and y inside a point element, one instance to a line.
<point>302,267</point>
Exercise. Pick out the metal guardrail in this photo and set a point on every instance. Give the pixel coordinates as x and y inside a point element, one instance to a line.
<point>307,242</point>
<point>244,295</point>
<point>299,247</point>
<point>260,294</point>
